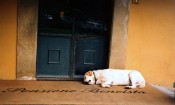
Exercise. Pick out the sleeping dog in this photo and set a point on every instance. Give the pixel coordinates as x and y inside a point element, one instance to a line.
<point>108,77</point>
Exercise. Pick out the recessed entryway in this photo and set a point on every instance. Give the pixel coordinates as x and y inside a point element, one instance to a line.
<point>28,33</point>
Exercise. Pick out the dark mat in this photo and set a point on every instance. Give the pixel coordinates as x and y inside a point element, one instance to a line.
<point>78,93</point>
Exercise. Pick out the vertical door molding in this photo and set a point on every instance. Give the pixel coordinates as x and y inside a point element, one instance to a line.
<point>119,35</point>
<point>27,38</point>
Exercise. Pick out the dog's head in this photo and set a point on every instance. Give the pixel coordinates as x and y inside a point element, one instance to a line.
<point>89,77</point>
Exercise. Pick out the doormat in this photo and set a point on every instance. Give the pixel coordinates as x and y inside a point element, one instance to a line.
<point>77,93</point>
<point>86,90</point>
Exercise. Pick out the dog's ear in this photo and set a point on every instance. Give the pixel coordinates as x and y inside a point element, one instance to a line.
<point>89,73</point>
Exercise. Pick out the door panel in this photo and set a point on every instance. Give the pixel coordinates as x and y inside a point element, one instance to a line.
<point>91,54</point>
<point>53,56</point>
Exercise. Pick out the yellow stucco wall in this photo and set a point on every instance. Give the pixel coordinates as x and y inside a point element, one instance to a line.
<point>151,40</point>
<point>8,33</point>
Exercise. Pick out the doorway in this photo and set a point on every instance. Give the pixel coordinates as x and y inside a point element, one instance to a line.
<point>73,37</point>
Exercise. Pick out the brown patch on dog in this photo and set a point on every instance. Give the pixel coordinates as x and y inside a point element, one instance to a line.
<point>89,73</point>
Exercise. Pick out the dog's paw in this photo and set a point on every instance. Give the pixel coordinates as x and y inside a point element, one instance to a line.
<point>129,87</point>
<point>105,85</point>
<point>98,82</point>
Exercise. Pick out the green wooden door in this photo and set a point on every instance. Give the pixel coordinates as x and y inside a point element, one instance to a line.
<point>73,37</point>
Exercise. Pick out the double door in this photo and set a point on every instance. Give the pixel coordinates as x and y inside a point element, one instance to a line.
<point>73,38</point>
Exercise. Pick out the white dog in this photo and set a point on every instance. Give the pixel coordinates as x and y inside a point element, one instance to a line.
<point>108,77</point>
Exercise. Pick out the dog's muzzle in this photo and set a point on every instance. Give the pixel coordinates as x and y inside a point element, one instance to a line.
<point>87,81</point>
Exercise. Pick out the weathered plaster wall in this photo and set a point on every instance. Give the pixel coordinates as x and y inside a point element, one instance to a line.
<point>27,38</point>
<point>119,35</point>
<point>151,40</point>
<point>8,30</point>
